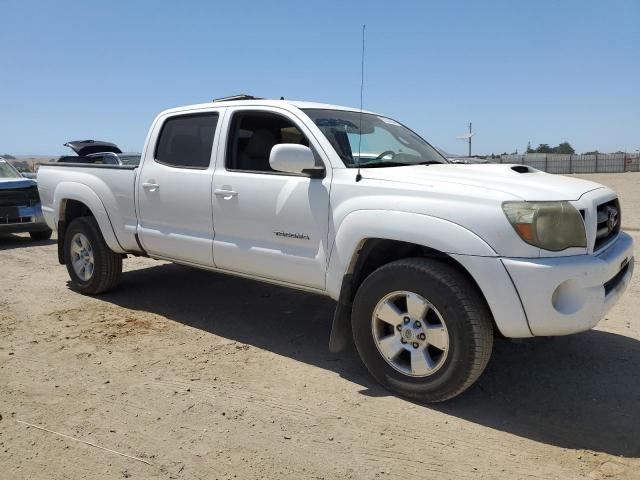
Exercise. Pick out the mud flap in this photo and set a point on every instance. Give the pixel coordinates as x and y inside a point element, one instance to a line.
<point>340,329</point>
<point>61,231</point>
<point>341,336</point>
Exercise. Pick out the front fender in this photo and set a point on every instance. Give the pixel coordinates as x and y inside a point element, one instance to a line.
<point>474,255</point>
<point>432,232</point>
<point>81,193</point>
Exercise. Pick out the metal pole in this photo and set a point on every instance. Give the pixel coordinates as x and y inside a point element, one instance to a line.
<point>469,138</point>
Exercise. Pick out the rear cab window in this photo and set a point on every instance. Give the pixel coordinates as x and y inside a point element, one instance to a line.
<point>186,141</point>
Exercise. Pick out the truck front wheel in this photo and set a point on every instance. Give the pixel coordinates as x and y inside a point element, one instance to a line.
<point>93,267</point>
<point>422,329</point>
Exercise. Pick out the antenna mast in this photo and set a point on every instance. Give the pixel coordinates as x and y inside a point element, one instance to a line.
<point>358,176</point>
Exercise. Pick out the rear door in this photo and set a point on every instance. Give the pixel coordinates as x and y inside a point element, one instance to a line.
<point>174,187</point>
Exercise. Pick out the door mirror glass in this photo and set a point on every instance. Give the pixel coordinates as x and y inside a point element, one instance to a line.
<point>292,158</point>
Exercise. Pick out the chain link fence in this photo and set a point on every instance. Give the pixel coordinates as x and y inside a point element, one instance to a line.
<point>560,163</point>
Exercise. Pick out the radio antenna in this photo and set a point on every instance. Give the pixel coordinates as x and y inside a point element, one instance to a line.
<point>358,176</point>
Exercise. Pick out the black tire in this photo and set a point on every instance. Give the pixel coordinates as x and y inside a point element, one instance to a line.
<point>107,264</point>
<point>463,310</point>
<point>40,235</point>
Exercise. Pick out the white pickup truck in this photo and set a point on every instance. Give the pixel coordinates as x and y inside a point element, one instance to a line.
<point>427,260</point>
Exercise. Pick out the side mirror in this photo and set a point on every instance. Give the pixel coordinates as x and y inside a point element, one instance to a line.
<point>294,158</point>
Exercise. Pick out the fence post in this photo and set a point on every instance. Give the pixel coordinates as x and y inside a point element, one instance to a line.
<point>546,162</point>
<point>597,170</point>
<point>570,163</point>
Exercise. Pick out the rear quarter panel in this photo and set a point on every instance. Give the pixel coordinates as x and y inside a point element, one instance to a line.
<point>107,190</point>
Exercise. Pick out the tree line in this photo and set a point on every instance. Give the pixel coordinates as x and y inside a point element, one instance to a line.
<point>564,147</point>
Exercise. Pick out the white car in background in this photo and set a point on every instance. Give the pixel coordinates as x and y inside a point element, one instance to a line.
<point>467,160</point>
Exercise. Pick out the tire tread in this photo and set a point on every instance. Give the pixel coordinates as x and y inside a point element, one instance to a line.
<point>40,235</point>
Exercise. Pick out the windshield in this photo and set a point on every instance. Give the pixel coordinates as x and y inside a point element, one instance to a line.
<point>384,142</point>
<point>7,171</point>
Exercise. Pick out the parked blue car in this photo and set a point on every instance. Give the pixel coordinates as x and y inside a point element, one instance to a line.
<point>20,209</point>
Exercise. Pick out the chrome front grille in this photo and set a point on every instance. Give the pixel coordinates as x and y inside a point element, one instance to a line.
<point>608,222</point>
<point>19,197</point>
<point>14,198</point>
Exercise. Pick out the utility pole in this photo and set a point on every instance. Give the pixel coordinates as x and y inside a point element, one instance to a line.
<point>467,137</point>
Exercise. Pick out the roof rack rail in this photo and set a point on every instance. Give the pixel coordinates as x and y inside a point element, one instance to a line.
<point>242,96</point>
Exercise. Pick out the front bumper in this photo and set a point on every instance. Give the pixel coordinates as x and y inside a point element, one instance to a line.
<point>563,295</point>
<point>28,219</point>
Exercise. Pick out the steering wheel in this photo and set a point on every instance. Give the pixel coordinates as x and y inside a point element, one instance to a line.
<point>385,153</point>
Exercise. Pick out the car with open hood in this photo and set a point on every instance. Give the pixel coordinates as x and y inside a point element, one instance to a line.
<point>99,153</point>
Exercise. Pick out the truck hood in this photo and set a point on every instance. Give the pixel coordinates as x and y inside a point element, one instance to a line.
<point>87,147</point>
<point>14,183</point>
<point>519,181</point>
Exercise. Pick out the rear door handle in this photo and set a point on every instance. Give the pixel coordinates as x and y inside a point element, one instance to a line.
<point>150,186</point>
<point>225,193</point>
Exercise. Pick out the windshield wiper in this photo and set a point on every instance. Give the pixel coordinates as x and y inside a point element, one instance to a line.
<point>384,164</point>
<point>396,164</point>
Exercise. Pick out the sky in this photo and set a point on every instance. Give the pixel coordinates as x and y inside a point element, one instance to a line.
<point>536,71</point>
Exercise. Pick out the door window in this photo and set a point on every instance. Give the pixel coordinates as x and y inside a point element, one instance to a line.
<point>254,134</point>
<point>186,141</point>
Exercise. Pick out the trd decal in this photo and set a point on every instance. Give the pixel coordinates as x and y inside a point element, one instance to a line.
<point>298,236</point>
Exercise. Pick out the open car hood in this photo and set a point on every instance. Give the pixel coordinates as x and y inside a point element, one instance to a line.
<point>87,147</point>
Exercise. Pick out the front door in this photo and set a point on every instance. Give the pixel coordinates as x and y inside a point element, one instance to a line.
<point>174,188</point>
<point>268,224</point>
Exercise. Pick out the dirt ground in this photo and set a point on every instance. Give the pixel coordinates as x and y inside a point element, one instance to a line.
<point>204,376</point>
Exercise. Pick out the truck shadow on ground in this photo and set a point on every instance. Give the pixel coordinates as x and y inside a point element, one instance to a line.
<point>579,392</point>
<point>11,241</point>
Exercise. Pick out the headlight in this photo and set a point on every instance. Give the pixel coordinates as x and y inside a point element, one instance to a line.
<point>548,225</point>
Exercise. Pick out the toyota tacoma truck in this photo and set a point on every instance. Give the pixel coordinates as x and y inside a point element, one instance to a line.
<point>427,261</point>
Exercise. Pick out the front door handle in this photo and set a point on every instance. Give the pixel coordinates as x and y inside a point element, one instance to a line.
<point>150,186</point>
<point>225,193</point>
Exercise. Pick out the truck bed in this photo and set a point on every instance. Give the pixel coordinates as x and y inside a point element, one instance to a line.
<point>108,190</point>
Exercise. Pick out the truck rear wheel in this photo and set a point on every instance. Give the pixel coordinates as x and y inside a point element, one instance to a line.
<point>422,329</point>
<point>93,267</point>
